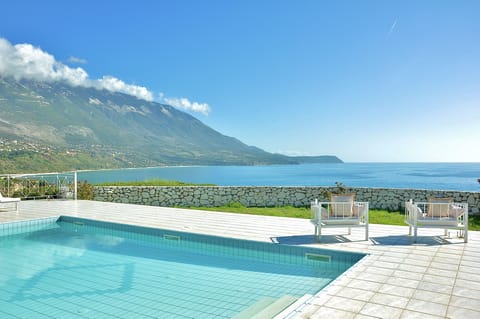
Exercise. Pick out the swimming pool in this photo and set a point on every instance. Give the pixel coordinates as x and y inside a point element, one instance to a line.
<point>79,268</point>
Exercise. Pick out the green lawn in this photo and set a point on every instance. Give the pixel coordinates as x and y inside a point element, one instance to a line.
<point>152,182</point>
<point>375,216</point>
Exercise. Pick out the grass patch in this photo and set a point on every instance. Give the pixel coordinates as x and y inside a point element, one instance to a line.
<point>285,211</point>
<point>152,182</point>
<point>386,217</point>
<point>474,222</point>
<point>375,216</point>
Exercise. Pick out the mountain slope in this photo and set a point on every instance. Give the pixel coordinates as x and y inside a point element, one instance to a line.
<point>54,126</point>
<point>76,127</point>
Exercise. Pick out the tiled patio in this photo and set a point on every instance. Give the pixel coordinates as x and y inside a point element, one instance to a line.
<point>436,278</point>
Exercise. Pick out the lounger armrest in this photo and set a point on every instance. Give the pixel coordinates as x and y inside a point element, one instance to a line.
<point>457,210</point>
<point>318,213</point>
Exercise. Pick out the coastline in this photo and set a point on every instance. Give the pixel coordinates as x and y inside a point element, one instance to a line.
<point>430,176</point>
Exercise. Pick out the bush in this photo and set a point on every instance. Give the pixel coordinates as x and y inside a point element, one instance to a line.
<point>85,190</point>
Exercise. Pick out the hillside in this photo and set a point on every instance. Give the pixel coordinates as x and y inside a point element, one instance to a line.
<point>317,159</point>
<point>54,126</point>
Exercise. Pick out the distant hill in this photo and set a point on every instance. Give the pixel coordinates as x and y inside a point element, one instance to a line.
<point>317,159</point>
<point>54,126</point>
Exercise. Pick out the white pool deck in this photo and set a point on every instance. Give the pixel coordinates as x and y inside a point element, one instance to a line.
<point>437,277</point>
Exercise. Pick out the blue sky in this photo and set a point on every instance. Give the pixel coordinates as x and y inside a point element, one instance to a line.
<point>368,81</point>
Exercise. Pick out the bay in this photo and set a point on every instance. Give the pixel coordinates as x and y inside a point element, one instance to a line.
<point>438,176</point>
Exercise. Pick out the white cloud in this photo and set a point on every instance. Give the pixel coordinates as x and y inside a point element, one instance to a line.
<point>185,104</point>
<point>74,59</point>
<point>116,85</point>
<point>24,61</point>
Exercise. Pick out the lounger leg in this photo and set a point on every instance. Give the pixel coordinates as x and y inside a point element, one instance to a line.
<point>366,223</point>
<point>465,225</point>
<point>349,230</point>
<point>446,232</point>
<point>415,234</point>
<point>316,232</point>
<point>409,230</point>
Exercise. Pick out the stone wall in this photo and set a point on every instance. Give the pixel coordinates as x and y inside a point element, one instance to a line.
<point>266,196</point>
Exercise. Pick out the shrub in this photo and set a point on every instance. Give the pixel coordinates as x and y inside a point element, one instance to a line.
<point>85,190</point>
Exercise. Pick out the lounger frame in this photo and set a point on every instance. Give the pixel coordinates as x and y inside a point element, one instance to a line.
<point>8,203</point>
<point>324,216</point>
<point>437,215</point>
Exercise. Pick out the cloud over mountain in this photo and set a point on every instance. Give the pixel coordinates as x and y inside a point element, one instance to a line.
<point>183,103</point>
<point>25,61</point>
<point>74,59</point>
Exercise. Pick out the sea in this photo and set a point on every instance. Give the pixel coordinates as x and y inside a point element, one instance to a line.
<point>435,176</point>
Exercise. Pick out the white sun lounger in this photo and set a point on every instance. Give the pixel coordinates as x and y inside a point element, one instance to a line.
<point>437,213</point>
<point>9,202</point>
<point>341,212</point>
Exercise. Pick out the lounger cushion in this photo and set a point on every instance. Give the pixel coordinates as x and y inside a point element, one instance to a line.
<point>458,211</point>
<point>420,213</point>
<point>439,207</point>
<point>342,197</point>
<point>359,210</point>
<point>8,199</point>
<point>445,221</point>
<point>342,205</point>
<point>341,221</point>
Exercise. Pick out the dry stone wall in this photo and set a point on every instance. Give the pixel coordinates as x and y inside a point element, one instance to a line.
<point>267,196</point>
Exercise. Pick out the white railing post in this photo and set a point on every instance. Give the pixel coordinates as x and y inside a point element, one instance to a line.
<point>75,185</point>
<point>465,223</point>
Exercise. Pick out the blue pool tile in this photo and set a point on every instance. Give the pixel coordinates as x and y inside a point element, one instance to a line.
<point>84,268</point>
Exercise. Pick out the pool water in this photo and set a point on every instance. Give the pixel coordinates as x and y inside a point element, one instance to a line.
<point>78,268</point>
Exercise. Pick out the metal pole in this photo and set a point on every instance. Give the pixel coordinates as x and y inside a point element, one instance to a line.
<point>75,185</point>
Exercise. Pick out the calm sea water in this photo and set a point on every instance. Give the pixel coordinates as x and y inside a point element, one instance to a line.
<point>441,176</point>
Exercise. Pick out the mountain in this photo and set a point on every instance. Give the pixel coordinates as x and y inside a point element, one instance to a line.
<point>45,126</point>
<point>316,159</point>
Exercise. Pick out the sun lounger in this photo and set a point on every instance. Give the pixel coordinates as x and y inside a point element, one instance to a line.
<point>9,202</point>
<point>437,213</point>
<point>340,212</point>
